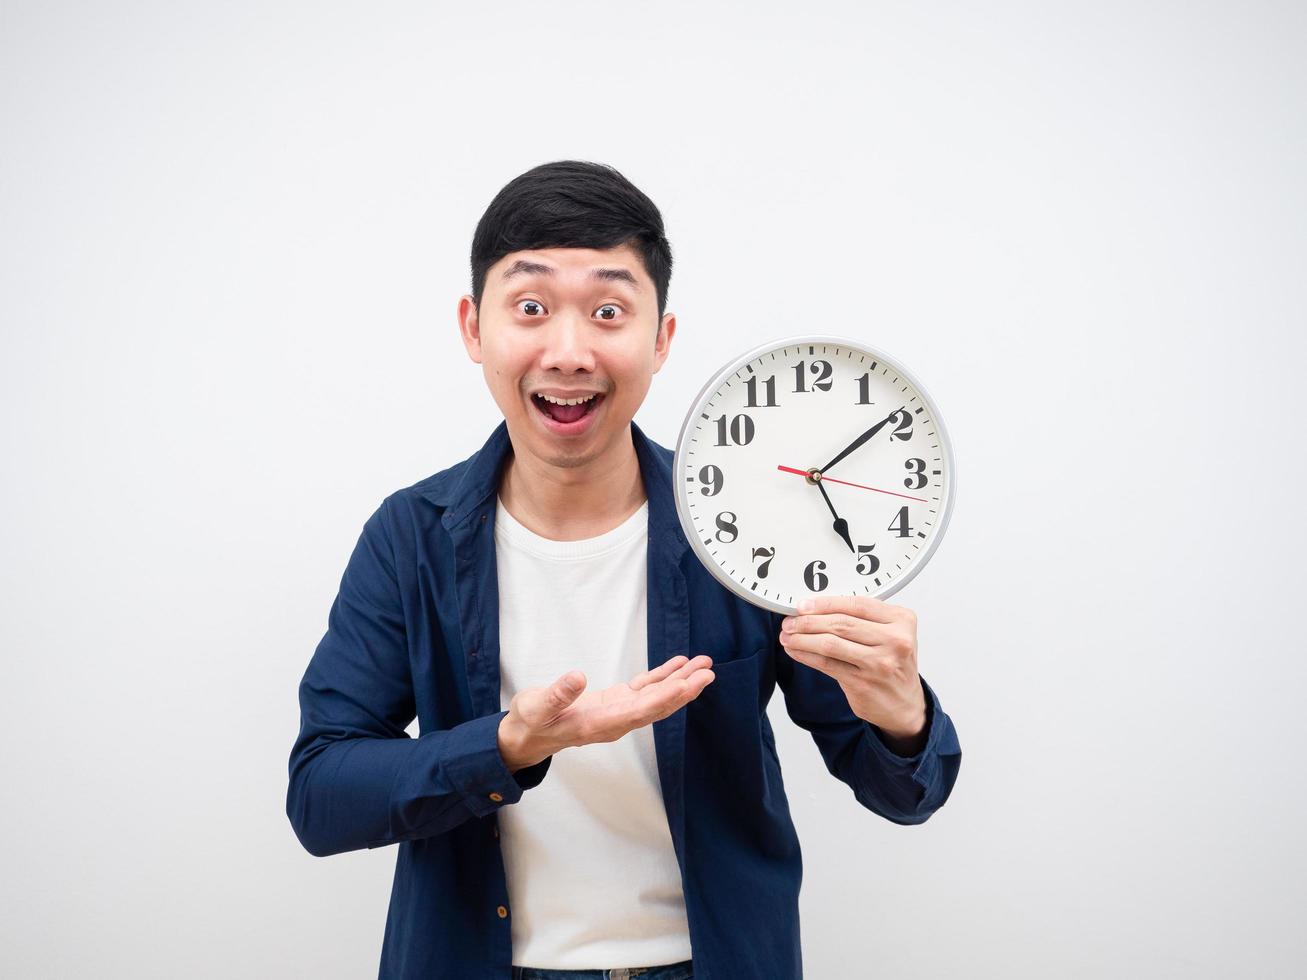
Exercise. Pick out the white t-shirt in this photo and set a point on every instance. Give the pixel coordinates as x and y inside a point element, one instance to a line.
<point>592,875</point>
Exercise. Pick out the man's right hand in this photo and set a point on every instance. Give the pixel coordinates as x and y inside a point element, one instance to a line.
<point>542,720</point>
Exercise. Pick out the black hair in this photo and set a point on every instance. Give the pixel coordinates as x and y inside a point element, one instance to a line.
<point>571,204</point>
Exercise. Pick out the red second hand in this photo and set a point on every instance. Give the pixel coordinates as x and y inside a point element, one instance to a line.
<point>831,479</point>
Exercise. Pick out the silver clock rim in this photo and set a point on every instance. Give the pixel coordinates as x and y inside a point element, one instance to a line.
<point>731,367</point>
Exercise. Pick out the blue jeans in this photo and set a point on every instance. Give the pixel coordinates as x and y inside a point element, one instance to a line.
<point>675,971</point>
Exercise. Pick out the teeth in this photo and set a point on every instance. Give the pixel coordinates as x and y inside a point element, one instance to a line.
<point>565,401</point>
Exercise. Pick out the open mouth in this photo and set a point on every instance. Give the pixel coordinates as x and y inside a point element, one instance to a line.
<point>566,417</point>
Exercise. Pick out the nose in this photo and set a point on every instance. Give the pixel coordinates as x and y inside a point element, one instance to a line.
<point>567,345</point>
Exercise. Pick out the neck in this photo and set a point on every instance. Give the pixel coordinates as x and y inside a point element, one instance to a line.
<point>569,503</point>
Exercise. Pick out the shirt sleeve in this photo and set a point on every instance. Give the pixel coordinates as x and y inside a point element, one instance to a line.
<point>902,789</point>
<point>357,778</point>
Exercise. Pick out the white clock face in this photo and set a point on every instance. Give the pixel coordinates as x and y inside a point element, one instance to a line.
<point>749,454</point>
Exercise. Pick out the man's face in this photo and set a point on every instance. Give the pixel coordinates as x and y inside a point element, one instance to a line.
<point>567,322</point>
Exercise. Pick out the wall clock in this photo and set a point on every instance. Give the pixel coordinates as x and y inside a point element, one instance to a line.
<point>813,466</point>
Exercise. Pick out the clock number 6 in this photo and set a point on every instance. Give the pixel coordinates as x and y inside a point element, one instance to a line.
<point>812,576</point>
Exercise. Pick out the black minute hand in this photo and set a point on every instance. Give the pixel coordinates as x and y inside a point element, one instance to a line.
<point>863,438</point>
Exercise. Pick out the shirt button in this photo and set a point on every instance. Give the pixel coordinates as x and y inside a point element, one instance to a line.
<point>503,912</point>
<point>496,797</point>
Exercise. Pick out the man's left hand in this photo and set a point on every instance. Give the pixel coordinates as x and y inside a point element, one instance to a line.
<point>870,648</point>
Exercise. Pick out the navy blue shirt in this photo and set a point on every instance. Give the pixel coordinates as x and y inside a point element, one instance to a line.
<point>414,632</point>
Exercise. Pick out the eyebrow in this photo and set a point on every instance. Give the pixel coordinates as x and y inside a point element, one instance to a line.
<point>527,268</point>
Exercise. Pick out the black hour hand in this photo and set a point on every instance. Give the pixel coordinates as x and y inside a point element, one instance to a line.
<point>841,525</point>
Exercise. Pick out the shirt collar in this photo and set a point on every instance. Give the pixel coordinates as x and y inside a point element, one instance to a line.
<point>464,489</point>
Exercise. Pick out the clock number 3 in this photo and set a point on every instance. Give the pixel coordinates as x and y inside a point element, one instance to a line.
<point>916,471</point>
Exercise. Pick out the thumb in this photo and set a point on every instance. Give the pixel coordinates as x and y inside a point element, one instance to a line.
<point>567,688</point>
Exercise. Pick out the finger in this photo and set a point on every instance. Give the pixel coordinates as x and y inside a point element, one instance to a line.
<point>837,669</point>
<point>681,695</point>
<point>695,663</point>
<point>659,672</point>
<point>829,647</point>
<point>864,631</point>
<point>863,606</point>
<point>688,668</point>
<point>663,697</point>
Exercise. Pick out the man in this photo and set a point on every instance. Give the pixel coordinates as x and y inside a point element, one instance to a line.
<point>596,785</point>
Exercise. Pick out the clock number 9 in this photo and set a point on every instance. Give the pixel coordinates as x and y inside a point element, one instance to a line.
<point>741,432</point>
<point>812,576</point>
<point>712,476</point>
<point>823,371</point>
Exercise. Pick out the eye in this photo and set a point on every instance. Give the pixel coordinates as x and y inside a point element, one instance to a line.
<point>531,307</point>
<point>612,309</point>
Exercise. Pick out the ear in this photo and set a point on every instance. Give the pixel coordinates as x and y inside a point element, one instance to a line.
<point>663,342</point>
<point>469,327</point>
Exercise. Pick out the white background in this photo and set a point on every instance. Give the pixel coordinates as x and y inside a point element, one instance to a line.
<point>233,240</point>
